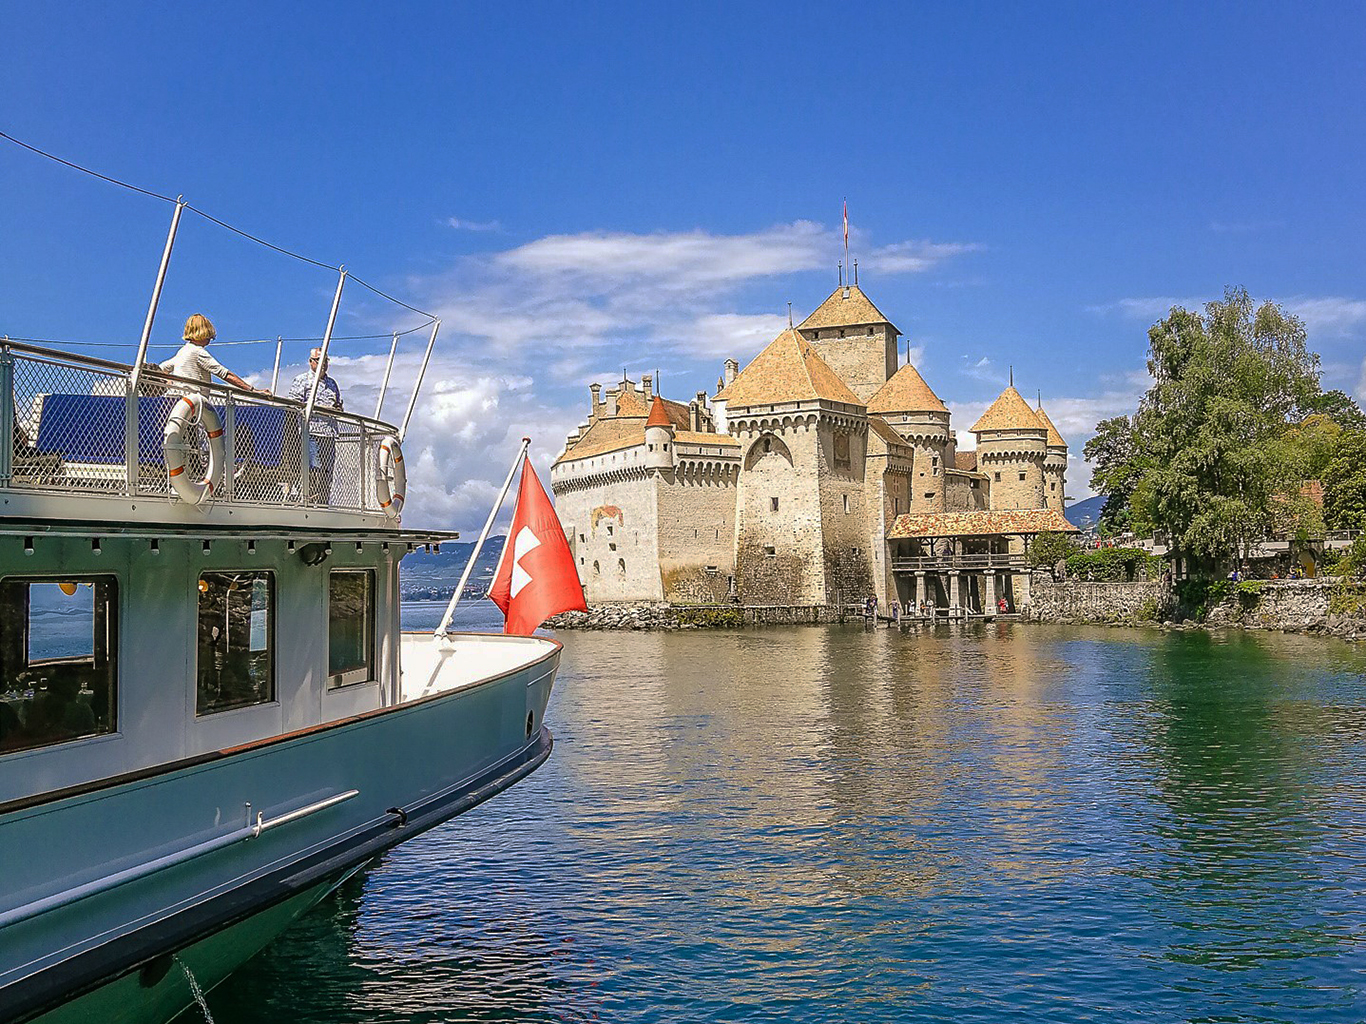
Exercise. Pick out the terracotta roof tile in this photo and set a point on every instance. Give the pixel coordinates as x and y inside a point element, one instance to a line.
<point>906,392</point>
<point>788,370</point>
<point>1009,412</point>
<point>968,524</point>
<point>1054,438</point>
<point>884,430</point>
<point>607,434</point>
<point>704,437</point>
<point>659,417</point>
<point>838,311</point>
<point>966,461</point>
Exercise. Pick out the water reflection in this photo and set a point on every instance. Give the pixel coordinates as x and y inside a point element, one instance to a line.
<point>959,824</point>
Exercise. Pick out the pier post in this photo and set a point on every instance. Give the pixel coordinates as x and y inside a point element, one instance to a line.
<point>919,591</point>
<point>955,608</point>
<point>989,600</point>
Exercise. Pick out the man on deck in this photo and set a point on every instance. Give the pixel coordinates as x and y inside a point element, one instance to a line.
<point>322,430</point>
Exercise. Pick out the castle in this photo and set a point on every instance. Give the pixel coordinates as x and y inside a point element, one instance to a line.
<point>823,473</point>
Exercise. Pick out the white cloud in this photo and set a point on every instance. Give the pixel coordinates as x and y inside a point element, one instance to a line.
<point>982,370</point>
<point>473,225</point>
<point>1323,314</point>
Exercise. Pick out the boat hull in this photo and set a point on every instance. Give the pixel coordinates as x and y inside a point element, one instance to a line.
<point>211,858</point>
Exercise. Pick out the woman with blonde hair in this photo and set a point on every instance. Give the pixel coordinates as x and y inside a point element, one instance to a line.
<point>193,361</point>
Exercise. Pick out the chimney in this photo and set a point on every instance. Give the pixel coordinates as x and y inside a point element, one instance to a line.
<point>594,401</point>
<point>698,408</point>
<point>732,368</point>
<point>611,402</point>
<point>647,383</point>
<point>693,416</point>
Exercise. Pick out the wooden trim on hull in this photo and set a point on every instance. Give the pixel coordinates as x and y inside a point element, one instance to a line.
<point>29,997</point>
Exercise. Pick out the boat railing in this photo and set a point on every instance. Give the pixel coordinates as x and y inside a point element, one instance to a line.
<point>77,429</point>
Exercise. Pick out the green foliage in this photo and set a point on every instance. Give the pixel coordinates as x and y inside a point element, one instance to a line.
<point>1048,549</point>
<point>1196,596</point>
<point>1347,599</point>
<point>1339,407</point>
<point>1112,452</point>
<point>1344,483</point>
<point>1352,562</point>
<point>1226,429</point>
<point>711,618</point>
<point>1113,565</point>
<point>1147,611</point>
<point>1249,593</point>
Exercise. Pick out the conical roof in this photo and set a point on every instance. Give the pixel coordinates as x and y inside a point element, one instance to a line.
<point>659,416</point>
<point>846,307</point>
<point>1054,437</point>
<point>788,370</point>
<point>1009,412</point>
<point>906,392</point>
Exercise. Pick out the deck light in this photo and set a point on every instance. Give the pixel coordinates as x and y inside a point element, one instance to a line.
<point>360,547</point>
<point>327,548</point>
<point>95,546</point>
<point>251,547</point>
<point>206,547</point>
<point>28,545</point>
<point>290,547</point>
<point>155,546</point>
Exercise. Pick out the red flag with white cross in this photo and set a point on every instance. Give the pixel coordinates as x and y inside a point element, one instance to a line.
<point>536,577</point>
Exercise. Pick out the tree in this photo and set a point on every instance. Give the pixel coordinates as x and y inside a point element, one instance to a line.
<point>1339,407</point>
<point>1117,471</point>
<point>1208,432</point>
<point>1048,549</point>
<point>1344,483</point>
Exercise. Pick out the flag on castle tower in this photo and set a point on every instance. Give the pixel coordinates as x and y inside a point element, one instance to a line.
<point>846,225</point>
<point>536,577</point>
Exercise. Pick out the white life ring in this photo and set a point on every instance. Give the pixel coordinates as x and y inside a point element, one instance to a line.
<point>391,479</point>
<point>187,411</point>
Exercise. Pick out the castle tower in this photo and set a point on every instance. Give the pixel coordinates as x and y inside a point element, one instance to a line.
<point>801,529</point>
<point>916,413</point>
<point>659,439</point>
<point>854,339</point>
<point>1012,445</point>
<point>1054,463</point>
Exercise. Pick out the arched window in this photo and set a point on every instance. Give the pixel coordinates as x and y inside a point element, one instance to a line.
<point>621,567</point>
<point>597,569</point>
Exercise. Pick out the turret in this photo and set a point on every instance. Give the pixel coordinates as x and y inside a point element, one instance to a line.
<point>916,413</point>
<point>1054,463</point>
<point>1012,445</point>
<point>659,437</point>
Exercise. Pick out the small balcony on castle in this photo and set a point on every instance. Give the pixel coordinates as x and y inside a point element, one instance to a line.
<point>946,561</point>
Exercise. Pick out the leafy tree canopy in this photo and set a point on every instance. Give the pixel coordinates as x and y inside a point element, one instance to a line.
<point>1208,449</point>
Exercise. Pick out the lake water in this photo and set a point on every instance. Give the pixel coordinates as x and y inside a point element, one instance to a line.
<point>993,823</point>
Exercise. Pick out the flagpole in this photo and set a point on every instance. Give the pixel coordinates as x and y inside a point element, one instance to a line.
<point>483,535</point>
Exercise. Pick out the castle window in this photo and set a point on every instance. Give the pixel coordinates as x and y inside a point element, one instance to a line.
<point>612,546</point>
<point>974,485</point>
<point>609,525</point>
<point>718,533</point>
<point>1053,487</point>
<point>621,567</point>
<point>934,460</point>
<point>597,569</point>
<point>841,332</point>
<point>998,478</point>
<point>1022,476</point>
<point>856,551</point>
<point>694,535</point>
<point>929,494</point>
<point>770,551</point>
<point>666,447</point>
<point>581,561</point>
<point>897,504</point>
<point>936,470</point>
<point>773,504</point>
<point>842,450</point>
<point>712,570</point>
<point>652,447</point>
<point>846,504</point>
<point>583,538</point>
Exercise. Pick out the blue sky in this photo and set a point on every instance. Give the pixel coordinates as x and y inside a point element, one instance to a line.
<point>578,188</point>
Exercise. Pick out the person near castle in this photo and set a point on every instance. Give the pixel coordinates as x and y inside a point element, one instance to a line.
<point>193,362</point>
<point>322,430</point>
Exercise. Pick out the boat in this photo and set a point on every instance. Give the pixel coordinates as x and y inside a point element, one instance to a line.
<point>209,714</point>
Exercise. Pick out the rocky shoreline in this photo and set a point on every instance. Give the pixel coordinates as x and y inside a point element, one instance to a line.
<point>1325,607</point>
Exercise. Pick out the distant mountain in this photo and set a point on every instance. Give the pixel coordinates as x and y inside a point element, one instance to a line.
<point>1084,515</point>
<point>433,575</point>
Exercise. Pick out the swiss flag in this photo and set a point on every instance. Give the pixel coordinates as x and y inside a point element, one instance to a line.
<point>536,577</point>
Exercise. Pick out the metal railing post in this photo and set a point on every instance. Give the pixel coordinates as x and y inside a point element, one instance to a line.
<point>275,373</point>
<point>388,367</point>
<point>130,419</point>
<point>417,385</point>
<point>322,354</point>
<point>229,445</point>
<point>7,417</point>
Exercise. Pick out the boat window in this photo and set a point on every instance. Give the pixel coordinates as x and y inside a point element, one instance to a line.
<point>350,626</point>
<point>236,640</point>
<point>58,659</point>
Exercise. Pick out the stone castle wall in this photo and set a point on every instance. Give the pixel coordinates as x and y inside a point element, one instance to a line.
<point>778,551</point>
<point>612,525</point>
<point>1016,476</point>
<point>865,358</point>
<point>1077,601</point>
<point>696,516</point>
